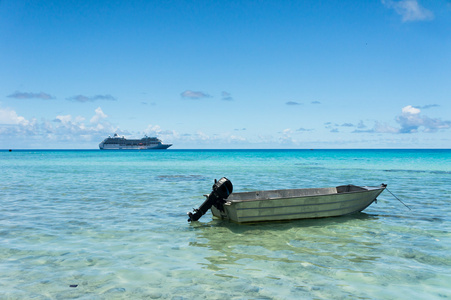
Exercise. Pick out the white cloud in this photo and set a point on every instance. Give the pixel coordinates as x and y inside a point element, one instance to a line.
<point>63,119</point>
<point>410,110</point>
<point>98,116</point>
<point>152,130</point>
<point>384,128</point>
<point>14,128</point>
<point>236,138</point>
<point>410,10</point>
<point>287,131</point>
<point>198,139</point>
<point>361,125</point>
<point>202,136</point>
<point>411,121</point>
<point>10,117</point>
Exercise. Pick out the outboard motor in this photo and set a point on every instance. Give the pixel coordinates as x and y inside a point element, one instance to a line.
<point>221,190</point>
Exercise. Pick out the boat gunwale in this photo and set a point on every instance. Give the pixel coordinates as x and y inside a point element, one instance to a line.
<point>296,205</point>
<point>367,189</point>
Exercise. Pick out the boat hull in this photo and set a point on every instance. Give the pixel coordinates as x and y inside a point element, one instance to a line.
<point>278,205</point>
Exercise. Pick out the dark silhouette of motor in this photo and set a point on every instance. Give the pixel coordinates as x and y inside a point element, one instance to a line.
<point>221,190</point>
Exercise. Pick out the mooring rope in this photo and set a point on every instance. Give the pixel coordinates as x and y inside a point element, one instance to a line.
<point>398,199</point>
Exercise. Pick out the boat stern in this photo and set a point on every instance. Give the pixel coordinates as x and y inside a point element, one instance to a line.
<point>229,212</point>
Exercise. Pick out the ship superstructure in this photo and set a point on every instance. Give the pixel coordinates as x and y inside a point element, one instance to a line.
<point>121,143</point>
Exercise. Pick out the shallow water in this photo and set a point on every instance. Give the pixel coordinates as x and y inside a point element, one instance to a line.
<point>113,225</point>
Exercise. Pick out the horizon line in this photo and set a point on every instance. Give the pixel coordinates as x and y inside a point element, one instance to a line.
<point>209,149</point>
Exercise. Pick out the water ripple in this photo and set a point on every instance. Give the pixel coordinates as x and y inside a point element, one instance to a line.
<point>96,225</point>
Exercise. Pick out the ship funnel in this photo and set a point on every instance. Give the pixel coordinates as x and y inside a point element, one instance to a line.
<point>221,189</point>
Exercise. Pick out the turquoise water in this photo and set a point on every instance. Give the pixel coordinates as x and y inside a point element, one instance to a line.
<point>113,225</point>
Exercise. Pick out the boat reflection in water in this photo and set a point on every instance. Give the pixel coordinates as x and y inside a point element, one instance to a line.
<point>296,257</point>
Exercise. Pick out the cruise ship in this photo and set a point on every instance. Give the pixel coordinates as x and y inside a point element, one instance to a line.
<point>121,143</point>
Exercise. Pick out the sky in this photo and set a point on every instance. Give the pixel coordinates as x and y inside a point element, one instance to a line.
<point>226,74</point>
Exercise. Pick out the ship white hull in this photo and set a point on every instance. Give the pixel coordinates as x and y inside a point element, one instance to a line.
<point>121,143</point>
<point>132,147</point>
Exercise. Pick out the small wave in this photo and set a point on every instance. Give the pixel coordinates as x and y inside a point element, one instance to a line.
<point>417,171</point>
<point>181,177</point>
<point>440,172</point>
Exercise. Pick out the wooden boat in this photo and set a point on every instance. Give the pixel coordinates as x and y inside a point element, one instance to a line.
<point>291,204</point>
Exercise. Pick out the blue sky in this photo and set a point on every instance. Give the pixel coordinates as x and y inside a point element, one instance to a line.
<point>226,74</point>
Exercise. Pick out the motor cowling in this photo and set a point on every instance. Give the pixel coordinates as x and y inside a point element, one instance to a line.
<point>221,189</point>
